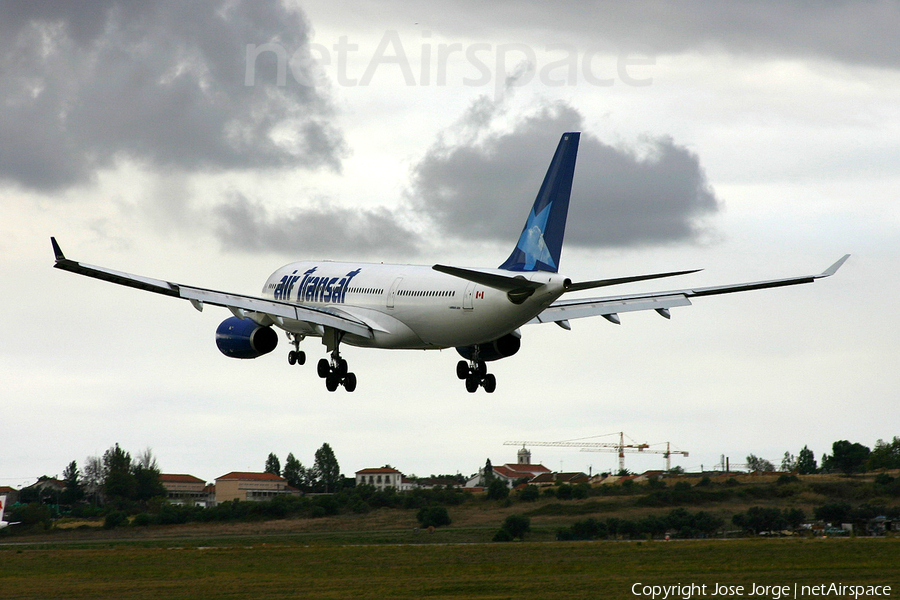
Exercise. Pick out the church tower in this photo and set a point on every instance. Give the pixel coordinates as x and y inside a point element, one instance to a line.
<point>524,456</point>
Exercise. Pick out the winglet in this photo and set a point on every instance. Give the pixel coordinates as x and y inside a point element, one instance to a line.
<point>57,250</point>
<point>833,268</point>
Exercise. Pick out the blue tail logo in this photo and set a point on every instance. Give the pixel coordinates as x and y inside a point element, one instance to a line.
<point>540,243</point>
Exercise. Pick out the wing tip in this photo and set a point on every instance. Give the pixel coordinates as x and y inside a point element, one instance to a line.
<point>834,268</point>
<point>57,251</point>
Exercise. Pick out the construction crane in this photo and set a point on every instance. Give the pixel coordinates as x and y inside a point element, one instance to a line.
<point>668,452</point>
<point>621,447</point>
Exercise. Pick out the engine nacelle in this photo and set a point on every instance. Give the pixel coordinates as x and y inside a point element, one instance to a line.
<point>502,347</point>
<point>243,338</point>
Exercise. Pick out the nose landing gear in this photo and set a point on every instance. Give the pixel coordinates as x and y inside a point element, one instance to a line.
<point>475,374</point>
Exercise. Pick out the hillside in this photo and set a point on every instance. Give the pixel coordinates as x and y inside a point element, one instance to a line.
<point>630,510</point>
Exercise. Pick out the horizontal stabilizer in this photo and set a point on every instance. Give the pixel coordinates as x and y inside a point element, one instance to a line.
<point>498,282</point>
<point>518,289</point>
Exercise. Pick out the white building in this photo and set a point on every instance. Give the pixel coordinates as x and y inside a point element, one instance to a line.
<point>381,478</point>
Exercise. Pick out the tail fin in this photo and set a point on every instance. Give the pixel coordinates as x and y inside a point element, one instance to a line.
<point>540,244</point>
<point>2,506</point>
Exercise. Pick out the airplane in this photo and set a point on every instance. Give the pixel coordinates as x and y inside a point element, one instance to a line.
<point>479,312</point>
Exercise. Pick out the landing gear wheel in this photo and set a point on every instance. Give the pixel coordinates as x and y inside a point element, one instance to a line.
<point>489,383</point>
<point>350,382</point>
<point>323,369</point>
<point>332,382</point>
<point>340,367</point>
<point>301,357</point>
<point>472,384</point>
<point>480,369</point>
<point>462,369</point>
<point>292,357</point>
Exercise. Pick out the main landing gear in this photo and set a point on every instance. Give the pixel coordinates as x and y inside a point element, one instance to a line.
<point>335,373</point>
<point>296,356</point>
<point>475,373</point>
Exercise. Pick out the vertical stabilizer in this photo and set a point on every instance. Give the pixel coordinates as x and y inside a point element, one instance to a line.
<point>2,506</point>
<point>540,244</point>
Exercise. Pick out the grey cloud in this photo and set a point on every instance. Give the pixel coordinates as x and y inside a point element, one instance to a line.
<point>161,83</point>
<point>482,190</point>
<point>246,225</point>
<point>843,31</point>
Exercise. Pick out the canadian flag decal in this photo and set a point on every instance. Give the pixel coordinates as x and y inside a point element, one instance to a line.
<point>479,295</point>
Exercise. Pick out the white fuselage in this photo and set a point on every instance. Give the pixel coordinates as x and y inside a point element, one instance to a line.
<point>408,306</point>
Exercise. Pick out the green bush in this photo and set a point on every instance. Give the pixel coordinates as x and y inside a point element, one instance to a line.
<point>497,490</point>
<point>516,526</point>
<point>529,494</point>
<point>588,529</point>
<point>31,514</point>
<point>114,519</point>
<point>433,516</point>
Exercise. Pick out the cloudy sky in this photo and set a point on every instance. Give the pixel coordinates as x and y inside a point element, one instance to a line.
<point>211,142</point>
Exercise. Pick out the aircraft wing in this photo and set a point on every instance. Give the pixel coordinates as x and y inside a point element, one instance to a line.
<point>609,306</point>
<point>261,310</point>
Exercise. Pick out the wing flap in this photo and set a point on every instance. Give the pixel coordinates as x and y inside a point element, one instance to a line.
<point>320,316</point>
<point>599,307</point>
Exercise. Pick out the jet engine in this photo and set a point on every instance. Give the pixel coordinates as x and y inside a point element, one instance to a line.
<point>243,338</point>
<point>502,347</point>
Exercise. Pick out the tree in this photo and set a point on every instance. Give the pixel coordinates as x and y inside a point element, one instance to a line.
<point>93,477</point>
<point>293,471</point>
<point>146,476</point>
<point>789,462</point>
<point>806,462</point>
<point>758,519</point>
<point>433,516</point>
<point>754,463</point>
<point>327,468</point>
<point>119,483</point>
<point>836,512</point>
<point>488,475</point>
<point>72,478</point>
<point>884,455</point>
<point>846,457</point>
<point>530,493</point>
<point>514,527</point>
<point>273,465</point>
<point>497,490</point>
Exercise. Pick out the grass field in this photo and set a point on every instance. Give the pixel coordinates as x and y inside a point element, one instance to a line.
<point>317,567</point>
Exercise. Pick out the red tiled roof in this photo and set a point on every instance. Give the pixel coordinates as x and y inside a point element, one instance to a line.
<point>252,476</point>
<point>506,471</point>
<point>527,468</point>
<point>374,471</point>
<point>178,478</point>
